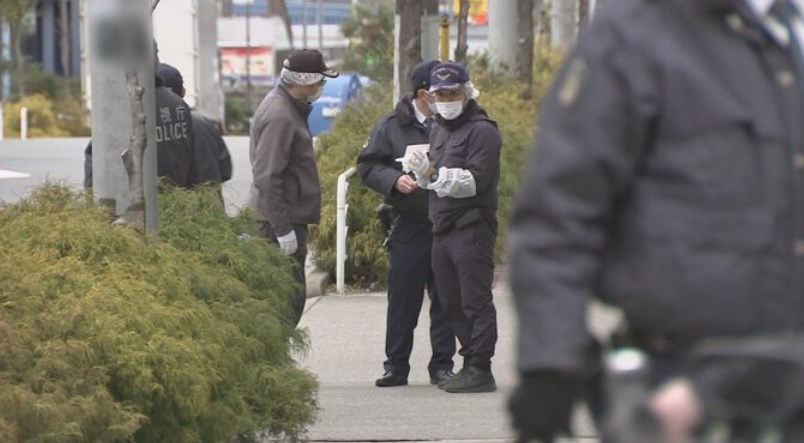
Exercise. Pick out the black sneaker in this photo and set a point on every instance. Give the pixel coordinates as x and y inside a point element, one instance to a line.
<point>471,380</point>
<point>440,375</point>
<point>443,382</point>
<point>389,379</point>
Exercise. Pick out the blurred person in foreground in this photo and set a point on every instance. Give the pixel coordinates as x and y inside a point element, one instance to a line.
<point>410,241</point>
<point>462,174</point>
<point>668,181</point>
<point>285,192</point>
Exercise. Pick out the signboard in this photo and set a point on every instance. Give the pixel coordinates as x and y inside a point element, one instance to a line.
<point>260,60</point>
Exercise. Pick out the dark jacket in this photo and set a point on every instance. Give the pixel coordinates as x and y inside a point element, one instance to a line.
<point>175,150</point>
<point>176,159</point>
<point>668,181</point>
<point>285,190</point>
<point>377,163</point>
<point>212,156</point>
<point>470,142</point>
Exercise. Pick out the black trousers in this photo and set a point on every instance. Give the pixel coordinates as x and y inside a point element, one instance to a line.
<point>299,296</point>
<point>463,263</point>
<point>410,272</point>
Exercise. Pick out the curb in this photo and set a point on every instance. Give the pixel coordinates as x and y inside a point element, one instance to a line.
<point>317,283</point>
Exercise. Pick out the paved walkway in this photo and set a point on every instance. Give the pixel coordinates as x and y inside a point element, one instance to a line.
<point>347,340</point>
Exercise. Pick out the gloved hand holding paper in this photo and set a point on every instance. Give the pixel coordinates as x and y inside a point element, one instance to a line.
<point>408,161</point>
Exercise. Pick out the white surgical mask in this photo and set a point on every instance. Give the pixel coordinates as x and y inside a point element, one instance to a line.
<point>449,110</point>
<point>315,96</point>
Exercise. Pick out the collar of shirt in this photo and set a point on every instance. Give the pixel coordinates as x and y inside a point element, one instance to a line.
<point>420,117</point>
<point>762,9</point>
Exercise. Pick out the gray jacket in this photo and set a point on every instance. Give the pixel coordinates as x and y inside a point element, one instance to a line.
<point>668,181</point>
<point>285,190</point>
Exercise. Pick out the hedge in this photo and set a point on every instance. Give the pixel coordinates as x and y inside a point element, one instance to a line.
<point>109,336</point>
<point>367,264</point>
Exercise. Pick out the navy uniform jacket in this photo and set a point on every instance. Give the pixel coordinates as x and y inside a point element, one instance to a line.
<point>377,163</point>
<point>667,179</point>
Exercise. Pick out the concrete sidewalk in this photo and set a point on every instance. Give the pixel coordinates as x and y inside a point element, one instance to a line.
<point>347,334</point>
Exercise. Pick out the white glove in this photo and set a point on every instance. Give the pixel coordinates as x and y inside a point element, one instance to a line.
<point>419,163</point>
<point>414,161</point>
<point>288,243</point>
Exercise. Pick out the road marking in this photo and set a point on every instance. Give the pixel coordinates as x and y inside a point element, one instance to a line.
<point>12,174</point>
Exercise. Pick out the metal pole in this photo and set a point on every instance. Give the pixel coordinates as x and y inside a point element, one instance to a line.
<point>1,121</point>
<point>24,123</point>
<point>304,24</point>
<point>5,56</point>
<point>443,52</point>
<point>341,229</point>
<point>248,58</point>
<point>318,19</point>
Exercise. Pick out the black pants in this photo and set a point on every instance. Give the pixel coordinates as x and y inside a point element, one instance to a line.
<point>410,272</point>
<point>463,263</point>
<point>299,296</point>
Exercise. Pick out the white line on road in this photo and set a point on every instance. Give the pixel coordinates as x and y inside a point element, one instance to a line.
<point>12,174</point>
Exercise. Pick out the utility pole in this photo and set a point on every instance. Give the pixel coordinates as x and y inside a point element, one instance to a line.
<point>430,30</point>
<point>123,137</point>
<point>502,38</point>
<point>564,21</point>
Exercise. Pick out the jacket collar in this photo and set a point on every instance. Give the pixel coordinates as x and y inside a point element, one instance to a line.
<point>302,108</point>
<point>404,111</point>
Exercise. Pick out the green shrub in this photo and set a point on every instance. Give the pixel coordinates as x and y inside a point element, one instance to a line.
<point>367,264</point>
<point>109,336</point>
<point>46,118</point>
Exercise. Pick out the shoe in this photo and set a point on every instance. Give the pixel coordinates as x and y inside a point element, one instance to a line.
<point>444,381</point>
<point>471,380</point>
<point>440,375</point>
<point>389,379</point>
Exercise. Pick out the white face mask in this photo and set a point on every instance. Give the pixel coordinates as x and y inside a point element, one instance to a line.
<point>449,110</point>
<point>315,96</point>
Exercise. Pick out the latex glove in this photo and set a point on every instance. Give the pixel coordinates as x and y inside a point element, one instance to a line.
<point>288,243</point>
<point>419,163</point>
<point>541,406</point>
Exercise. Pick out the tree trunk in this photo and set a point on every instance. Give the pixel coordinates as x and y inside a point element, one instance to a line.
<point>524,60</point>
<point>279,8</point>
<point>64,40</point>
<point>583,14</point>
<point>463,22</point>
<point>410,42</point>
<point>17,58</point>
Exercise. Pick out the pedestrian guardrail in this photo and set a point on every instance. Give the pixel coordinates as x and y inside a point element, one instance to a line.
<point>341,230</point>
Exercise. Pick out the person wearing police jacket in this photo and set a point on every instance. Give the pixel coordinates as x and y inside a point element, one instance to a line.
<point>669,182</point>
<point>411,237</point>
<point>286,193</point>
<point>462,174</point>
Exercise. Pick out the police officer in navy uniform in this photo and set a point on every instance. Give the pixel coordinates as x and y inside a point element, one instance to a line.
<point>668,181</point>
<point>411,238</point>
<point>462,174</point>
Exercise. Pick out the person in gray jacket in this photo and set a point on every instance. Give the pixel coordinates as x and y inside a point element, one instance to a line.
<point>669,182</point>
<point>285,192</point>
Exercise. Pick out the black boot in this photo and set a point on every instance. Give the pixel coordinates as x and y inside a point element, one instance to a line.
<point>390,379</point>
<point>471,380</point>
